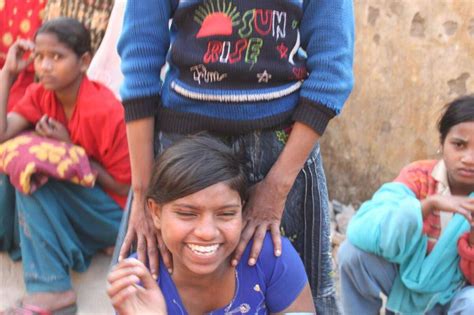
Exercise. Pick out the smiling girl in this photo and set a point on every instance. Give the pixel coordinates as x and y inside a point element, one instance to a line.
<point>196,195</point>
<point>414,241</point>
<point>62,224</point>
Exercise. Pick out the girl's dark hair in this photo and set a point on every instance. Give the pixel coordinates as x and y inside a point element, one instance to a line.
<point>458,111</point>
<point>70,32</point>
<point>195,163</point>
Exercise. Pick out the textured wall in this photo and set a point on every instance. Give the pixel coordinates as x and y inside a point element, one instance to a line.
<point>411,58</point>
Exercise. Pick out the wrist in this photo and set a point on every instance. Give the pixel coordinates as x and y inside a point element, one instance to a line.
<point>280,181</point>
<point>139,193</point>
<point>426,206</point>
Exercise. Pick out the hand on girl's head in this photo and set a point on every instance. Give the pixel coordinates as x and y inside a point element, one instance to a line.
<point>15,62</point>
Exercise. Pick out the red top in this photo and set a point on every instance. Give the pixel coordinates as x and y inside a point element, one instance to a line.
<point>417,176</point>
<point>97,124</point>
<point>19,19</point>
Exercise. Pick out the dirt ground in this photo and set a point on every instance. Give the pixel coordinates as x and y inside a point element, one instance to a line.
<point>90,285</point>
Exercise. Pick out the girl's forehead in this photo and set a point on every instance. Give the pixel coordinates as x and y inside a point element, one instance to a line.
<point>464,129</point>
<point>49,41</point>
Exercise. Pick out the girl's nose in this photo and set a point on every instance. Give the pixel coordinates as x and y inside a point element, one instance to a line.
<point>46,64</point>
<point>206,228</point>
<point>468,158</point>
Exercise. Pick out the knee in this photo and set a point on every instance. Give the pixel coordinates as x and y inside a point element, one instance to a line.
<point>349,256</point>
<point>464,302</point>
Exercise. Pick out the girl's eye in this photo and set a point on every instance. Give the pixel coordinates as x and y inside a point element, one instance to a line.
<point>228,214</point>
<point>459,145</point>
<point>185,214</point>
<point>37,57</point>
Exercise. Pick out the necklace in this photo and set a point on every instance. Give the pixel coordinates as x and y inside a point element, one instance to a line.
<point>227,309</point>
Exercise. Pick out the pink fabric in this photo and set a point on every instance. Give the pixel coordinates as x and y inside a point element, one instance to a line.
<point>30,159</point>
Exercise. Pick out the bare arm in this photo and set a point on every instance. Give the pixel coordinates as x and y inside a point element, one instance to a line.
<point>12,124</point>
<point>106,180</point>
<point>267,198</point>
<point>141,229</point>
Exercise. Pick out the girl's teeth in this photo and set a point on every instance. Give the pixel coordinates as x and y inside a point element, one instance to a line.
<point>203,250</point>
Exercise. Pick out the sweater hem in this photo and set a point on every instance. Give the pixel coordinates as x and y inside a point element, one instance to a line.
<point>186,123</point>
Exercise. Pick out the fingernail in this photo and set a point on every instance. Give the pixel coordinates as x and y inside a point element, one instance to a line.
<point>252,261</point>
<point>120,258</point>
<point>234,262</point>
<point>154,276</point>
<point>170,271</point>
<point>278,253</point>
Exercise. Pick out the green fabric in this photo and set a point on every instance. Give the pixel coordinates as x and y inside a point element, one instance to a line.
<point>390,225</point>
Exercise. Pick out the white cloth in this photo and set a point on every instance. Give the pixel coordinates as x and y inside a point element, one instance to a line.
<point>440,173</point>
<point>105,66</point>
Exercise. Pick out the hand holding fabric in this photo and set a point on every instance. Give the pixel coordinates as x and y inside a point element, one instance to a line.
<point>51,128</point>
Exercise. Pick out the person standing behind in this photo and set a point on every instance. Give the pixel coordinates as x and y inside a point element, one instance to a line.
<point>266,76</point>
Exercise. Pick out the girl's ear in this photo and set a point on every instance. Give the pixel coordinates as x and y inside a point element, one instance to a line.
<point>85,61</point>
<point>155,210</point>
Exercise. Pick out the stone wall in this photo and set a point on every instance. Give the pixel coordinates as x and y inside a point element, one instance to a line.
<point>411,57</point>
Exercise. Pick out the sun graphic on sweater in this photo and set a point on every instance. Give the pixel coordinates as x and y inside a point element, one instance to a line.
<point>216,17</point>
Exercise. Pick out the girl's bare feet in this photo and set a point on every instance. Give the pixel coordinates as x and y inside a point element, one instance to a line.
<point>51,301</point>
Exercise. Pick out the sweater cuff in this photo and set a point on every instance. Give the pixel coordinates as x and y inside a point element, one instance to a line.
<point>313,114</point>
<point>140,107</point>
<point>465,250</point>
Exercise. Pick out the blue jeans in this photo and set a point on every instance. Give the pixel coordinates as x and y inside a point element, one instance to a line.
<point>306,218</point>
<point>364,277</point>
<point>60,226</point>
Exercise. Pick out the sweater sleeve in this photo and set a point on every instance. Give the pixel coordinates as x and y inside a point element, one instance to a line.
<point>466,252</point>
<point>143,46</point>
<point>327,35</point>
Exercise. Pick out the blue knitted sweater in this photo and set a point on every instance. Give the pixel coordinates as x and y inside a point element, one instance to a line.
<point>236,66</point>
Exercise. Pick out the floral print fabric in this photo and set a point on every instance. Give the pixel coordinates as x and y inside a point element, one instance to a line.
<point>30,159</point>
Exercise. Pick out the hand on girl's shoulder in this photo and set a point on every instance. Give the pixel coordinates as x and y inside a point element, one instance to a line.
<point>267,255</point>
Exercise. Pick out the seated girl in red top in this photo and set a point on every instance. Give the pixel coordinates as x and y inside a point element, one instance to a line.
<point>63,224</point>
